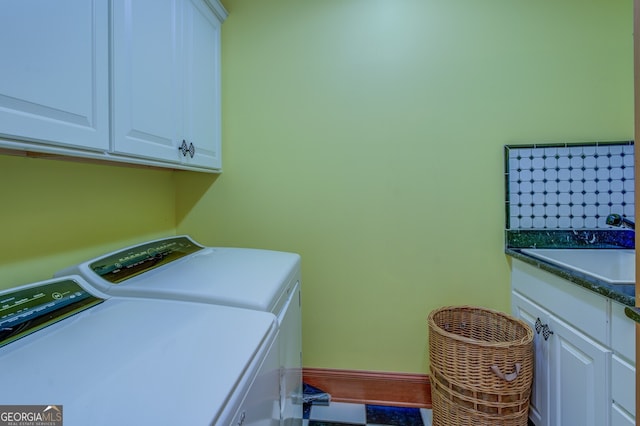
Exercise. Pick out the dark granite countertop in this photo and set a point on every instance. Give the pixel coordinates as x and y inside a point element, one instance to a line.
<point>633,313</point>
<point>625,294</point>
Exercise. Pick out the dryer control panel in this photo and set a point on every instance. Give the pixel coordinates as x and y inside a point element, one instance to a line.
<point>28,309</point>
<point>133,261</point>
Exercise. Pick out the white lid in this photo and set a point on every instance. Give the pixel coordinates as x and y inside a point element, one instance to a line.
<point>137,361</point>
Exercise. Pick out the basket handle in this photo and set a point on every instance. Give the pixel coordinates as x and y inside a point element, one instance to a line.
<point>507,377</point>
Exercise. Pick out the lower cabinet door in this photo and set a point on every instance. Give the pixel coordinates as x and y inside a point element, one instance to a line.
<point>580,386</point>
<point>536,318</point>
<point>620,417</point>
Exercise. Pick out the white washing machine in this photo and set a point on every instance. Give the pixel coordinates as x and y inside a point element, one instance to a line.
<point>178,268</point>
<point>82,358</point>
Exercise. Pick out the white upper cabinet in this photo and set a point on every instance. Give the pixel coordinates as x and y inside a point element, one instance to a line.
<point>201,69</point>
<point>166,81</point>
<point>147,109</point>
<point>134,81</point>
<point>54,81</point>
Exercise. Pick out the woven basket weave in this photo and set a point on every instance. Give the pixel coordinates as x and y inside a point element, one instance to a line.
<point>481,364</point>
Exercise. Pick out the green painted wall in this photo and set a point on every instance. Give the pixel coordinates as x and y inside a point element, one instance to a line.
<point>55,213</point>
<point>367,135</point>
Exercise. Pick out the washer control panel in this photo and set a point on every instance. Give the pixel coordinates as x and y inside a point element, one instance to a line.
<point>133,261</point>
<point>28,309</point>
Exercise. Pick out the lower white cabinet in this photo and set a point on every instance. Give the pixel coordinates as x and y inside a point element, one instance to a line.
<point>584,373</point>
<point>623,371</point>
<point>623,402</point>
<point>531,313</point>
<point>579,383</point>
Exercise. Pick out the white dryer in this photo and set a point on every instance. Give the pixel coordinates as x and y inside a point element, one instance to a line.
<point>82,358</point>
<point>178,268</point>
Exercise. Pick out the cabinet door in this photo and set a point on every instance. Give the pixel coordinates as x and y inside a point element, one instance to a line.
<point>147,105</point>
<point>623,389</point>
<point>623,371</point>
<point>54,74</point>
<point>201,46</point>
<point>579,378</point>
<point>621,418</point>
<point>531,313</point>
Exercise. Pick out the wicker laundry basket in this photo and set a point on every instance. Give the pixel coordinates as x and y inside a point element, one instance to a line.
<point>481,365</point>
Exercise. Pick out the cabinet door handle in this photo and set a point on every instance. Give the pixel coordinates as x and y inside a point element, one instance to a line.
<point>538,325</point>
<point>184,148</point>
<point>192,149</point>
<point>546,332</point>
